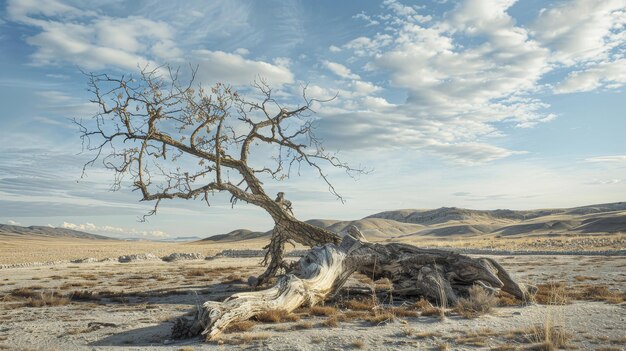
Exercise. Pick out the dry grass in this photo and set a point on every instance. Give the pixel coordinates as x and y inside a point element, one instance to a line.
<point>331,322</point>
<point>478,303</point>
<point>552,293</point>
<point>240,326</point>
<point>379,318</point>
<point>547,337</point>
<point>427,309</point>
<point>362,305</point>
<point>558,293</point>
<point>323,311</point>
<point>357,344</point>
<point>303,325</point>
<point>444,346</point>
<point>32,297</point>
<point>403,312</point>
<point>277,316</point>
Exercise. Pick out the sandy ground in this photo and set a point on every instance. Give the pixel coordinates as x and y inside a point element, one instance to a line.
<point>145,297</point>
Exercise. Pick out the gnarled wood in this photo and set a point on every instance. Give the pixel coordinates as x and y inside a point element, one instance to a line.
<point>319,274</point>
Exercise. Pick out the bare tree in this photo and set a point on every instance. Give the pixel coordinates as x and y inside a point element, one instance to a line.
<point>149,126</point>
<point>181,141</point>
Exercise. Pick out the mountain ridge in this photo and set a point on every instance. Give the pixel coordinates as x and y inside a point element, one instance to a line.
<point>454,221</point>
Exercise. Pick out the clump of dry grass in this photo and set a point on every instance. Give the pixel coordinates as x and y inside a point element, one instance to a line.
<point>381,317</point>
<point>331,322</point>
<point>303,325</point>
<point>444,346</point>
<point>478,303</point>
<point>547,337</point>
<point>403,312</point>
<point>32,297</point>
<point>552,293</point>
<point>559,293</point>
<point>48,299</point>
<point>196,272</point>
<point>599,293</point>
<point>240,326</point>
<point>426,308</point>
<point>323,311</point>
<point>358,344</point>
<point>277,316</point>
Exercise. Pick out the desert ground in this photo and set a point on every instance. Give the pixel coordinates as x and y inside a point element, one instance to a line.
<point>50,303</point>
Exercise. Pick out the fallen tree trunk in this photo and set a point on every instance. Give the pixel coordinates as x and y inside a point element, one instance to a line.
<point>433,274</point>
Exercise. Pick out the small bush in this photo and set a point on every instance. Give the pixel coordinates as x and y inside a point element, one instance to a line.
<point>477,304</point>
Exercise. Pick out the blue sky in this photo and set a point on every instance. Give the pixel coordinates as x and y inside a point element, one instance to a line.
<point>480,103</point>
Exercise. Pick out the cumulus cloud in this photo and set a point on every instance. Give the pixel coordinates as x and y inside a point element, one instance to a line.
<point>604,74</point>
<point>470,71</point>
<point>340,70</point>
<point>581,30</point>
<point>219,66</point>
<point>116,231</point>
<point>94,41</point>
<point>12,222</point>
<point>84,38</point>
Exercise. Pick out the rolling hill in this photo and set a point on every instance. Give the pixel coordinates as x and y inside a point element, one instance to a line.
<point>459,222</point>
<point>7,230</point>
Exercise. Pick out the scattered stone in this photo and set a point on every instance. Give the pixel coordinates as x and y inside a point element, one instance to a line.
<point>137,257</point>
<point>177,256</point>
<point>85,260</point>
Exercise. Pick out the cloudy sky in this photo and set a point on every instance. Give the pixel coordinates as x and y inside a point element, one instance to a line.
<point>481,103</point>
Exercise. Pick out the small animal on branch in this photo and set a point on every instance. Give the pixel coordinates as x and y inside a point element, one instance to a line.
<point>280,198</point>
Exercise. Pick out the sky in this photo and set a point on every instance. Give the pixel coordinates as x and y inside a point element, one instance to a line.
<point>479,104</point>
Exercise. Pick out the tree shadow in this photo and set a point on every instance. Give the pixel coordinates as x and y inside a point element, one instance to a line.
<point>158,335</point>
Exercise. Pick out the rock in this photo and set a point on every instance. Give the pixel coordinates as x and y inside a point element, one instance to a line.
<point>137,257</point>
<point>182,256</point>
<point>84,260</point>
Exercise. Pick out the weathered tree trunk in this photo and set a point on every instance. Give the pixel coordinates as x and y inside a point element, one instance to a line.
<point>289,229</point>
<point>319,274</point>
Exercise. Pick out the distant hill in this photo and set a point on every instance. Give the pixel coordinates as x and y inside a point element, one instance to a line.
<point>49,232</point>
<point>452,221</point>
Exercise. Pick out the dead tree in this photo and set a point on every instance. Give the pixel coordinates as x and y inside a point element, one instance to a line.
<point>149,126</point>
<point>174,141</point>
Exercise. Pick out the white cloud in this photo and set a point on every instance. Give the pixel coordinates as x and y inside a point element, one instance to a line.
<point>608,159</point>
<point>334,48</point>
<point>12,222</point>
<point>604,74</point>
<point>84,38</point>
<point>463,73</point>
<point>242,51</point>
<point>581,30</point>
<point>116,231</point>
<point>340,70</point>
<point>219,66</point>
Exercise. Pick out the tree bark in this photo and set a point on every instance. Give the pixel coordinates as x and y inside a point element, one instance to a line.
<point>434,274</point>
